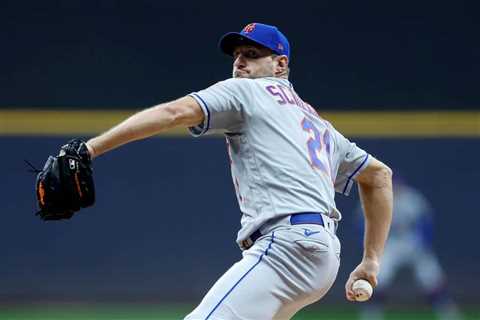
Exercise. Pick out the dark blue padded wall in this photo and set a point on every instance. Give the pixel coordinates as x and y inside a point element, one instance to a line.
<point>165,220</point>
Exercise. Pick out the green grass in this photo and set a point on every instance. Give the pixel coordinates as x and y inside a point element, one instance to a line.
<point>145,312</point>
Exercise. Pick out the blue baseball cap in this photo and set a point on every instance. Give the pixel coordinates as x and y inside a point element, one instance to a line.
<point>258,33</point>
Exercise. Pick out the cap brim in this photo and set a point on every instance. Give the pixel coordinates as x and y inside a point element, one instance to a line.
<point>233,39</point>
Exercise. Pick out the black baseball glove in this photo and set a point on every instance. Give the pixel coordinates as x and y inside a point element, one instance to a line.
<point>65,184</point>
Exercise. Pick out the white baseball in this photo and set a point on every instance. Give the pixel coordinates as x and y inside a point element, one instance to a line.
<point>362,289</point>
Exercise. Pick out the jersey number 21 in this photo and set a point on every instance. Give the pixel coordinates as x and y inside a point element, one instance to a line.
<point>316,143</point>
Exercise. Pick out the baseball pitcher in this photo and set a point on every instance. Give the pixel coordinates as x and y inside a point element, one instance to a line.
<point>286,164</point>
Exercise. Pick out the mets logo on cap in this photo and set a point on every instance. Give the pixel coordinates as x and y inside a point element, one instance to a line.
<point>249,27</point>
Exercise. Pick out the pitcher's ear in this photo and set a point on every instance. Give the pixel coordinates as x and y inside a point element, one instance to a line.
<point>283,61</point>
<point>282,65</point>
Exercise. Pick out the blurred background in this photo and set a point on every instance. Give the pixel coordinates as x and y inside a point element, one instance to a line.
<point>399,79</point>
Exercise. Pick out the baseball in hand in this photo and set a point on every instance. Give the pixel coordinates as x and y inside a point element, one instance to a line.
<point>362,289</point>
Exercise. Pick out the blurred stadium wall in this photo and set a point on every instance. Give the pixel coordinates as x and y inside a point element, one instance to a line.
<point>165,220</point>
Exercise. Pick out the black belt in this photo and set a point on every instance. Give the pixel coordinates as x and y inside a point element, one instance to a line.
<point>296,218</point>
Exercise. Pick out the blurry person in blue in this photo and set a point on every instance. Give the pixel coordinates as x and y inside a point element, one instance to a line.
<point>410,246</point>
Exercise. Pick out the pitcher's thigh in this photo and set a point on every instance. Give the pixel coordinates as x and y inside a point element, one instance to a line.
<point>276,278</point>
<point>310,263</point>
<point>246,291</point>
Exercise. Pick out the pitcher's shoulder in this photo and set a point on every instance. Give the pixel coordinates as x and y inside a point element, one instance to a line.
<point>275,80</point>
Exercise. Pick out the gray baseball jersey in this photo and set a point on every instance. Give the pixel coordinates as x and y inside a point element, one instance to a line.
<point>284,157</point>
